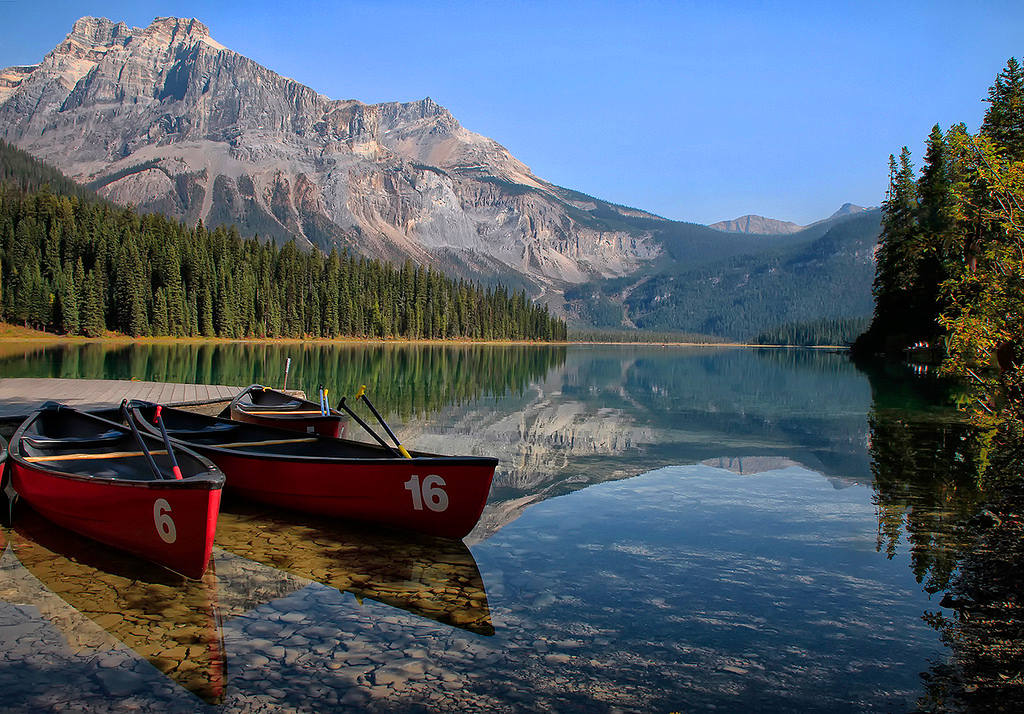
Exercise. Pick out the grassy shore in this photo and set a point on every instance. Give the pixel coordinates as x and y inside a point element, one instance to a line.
<point>9,332</point>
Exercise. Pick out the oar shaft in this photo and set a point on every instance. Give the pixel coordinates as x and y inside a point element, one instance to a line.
<point>371,432</point>
<point>167,442</point>
<point>138,437</point>
<point>384,424</point>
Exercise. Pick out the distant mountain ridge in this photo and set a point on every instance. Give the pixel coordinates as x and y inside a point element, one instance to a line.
<point>770,226</point>
<point>824,271</point>
<point>756,224</point>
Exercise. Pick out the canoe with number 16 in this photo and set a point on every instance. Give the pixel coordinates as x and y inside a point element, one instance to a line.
<point>427,493</point>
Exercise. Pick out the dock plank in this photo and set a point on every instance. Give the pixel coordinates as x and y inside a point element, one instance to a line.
<point>20,396</point>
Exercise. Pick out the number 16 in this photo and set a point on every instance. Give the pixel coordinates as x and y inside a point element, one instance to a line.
<point>430,493</point>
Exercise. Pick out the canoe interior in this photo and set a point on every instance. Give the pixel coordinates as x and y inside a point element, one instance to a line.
<point>82,444</point>
<point>202,430</point>
<point>257,398</point>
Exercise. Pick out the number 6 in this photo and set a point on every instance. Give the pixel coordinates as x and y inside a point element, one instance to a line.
<point>164,522</point>
<point>433,494</point>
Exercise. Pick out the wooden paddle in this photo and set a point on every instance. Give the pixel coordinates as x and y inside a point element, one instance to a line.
<point>268,442</point>
<point>127,454</point>
<point>261,412</point>
<point>102,455</point>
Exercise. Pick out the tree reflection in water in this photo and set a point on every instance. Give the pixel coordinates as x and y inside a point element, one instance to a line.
<point>983,623</point>
<point>966,540</point>
<point>925,484</point>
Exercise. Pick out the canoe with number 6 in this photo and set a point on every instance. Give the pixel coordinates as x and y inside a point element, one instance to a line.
<point>97,478</point>
<point>428,493</point>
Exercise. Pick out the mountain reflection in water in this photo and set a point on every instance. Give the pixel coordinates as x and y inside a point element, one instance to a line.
<point>669,529</point>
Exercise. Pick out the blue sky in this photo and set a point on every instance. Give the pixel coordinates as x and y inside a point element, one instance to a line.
<point>697,111</point>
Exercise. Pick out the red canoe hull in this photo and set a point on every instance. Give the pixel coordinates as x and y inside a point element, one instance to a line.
<point>422,495</point>
<point>428,493</point>
<point>92,476</point>
<point>173,527</point>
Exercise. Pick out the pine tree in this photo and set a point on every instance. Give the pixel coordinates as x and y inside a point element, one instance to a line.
<point>130,291</point>
<point>67,301</point>
<point>934,223</point>
<point>161,323</point>
<point>92,306</point>
<point>1004,119</point>
<point>895,271</point>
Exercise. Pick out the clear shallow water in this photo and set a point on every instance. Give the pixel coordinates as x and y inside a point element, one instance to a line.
<point>669,530</point>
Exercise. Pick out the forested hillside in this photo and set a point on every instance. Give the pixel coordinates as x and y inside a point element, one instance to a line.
<point>810,277</point>
<point>75,264</point>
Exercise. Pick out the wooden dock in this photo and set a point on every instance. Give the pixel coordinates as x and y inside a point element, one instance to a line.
<point>20,397</point>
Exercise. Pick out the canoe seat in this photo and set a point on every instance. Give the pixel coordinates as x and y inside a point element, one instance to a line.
<point>75,442</point>
<point>218,428</point>
<point>269,407</point>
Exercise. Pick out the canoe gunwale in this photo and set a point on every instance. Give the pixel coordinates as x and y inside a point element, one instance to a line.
<point>226,428</point>
<point>102,499</point>
<point>211,478</point>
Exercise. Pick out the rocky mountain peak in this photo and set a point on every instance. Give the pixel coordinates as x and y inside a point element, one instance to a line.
<point>101,32</point>
<point>169,120</point>
<point>96,31</point>
<point>770,226</point>
<point>848,209</point>
<point>757,225</point>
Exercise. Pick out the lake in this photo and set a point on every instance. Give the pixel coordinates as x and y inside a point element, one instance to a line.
<point>670,529</point>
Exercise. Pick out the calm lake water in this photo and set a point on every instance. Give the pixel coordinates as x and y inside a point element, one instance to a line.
<point>670,530</point>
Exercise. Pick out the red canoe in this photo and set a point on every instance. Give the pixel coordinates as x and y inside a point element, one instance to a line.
<point>428,493</point>
<point>90,476</point>
<point>3,469</point>
<point>257,404</point>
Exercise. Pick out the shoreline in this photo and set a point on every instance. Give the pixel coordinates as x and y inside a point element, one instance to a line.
<point>13,334</point>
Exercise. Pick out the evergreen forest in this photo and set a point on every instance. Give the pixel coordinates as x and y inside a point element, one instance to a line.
<point>815,278</point>
<point>74,264</point>
<point>950,264</point>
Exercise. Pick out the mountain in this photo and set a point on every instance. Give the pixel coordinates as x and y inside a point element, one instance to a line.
<point>770,226</point>
<point>169,120</point>
<point>848,209</point>
<point>756,224</point>
<point>823,272</point>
